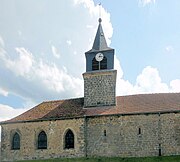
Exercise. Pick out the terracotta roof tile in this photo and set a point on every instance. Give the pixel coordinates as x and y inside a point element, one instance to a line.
<point>142,103</point>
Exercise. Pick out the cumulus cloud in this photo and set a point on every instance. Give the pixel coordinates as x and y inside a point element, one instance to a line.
<point>22,64</point>
<point>57,80</point>
<point>148,81</point>
<point>47,79</point>
<point>36,76</point>
<point>175,85</point>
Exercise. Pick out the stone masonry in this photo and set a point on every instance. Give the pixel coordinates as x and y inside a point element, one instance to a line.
<point>110,135</point>
<point>100,88</point>
<point>55,131</point>
<point>134,135</point>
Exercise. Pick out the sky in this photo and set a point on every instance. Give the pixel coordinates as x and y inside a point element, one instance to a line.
<point>42,46</point>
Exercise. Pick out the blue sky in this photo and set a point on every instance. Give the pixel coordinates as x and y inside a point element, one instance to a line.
<point>42,46</point>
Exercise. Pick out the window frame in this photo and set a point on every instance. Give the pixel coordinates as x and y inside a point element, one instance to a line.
<point>16,141</point>
<point>42,140</point>
<point>69,140</point>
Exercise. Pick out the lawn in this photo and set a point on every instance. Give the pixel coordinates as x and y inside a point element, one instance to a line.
<point>115,159</point>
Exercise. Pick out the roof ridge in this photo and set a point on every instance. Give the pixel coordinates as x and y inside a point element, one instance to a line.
<point>140,94</point>
<point>62,100</point>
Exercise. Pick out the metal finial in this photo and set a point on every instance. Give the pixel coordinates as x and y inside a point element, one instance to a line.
<point>100,20</point>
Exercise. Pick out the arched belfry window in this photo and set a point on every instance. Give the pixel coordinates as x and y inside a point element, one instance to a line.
<point>102,64</point>
<point>42,140</point>
<point>16,142</point>
<point>69,139</point>
<point>95,64</point>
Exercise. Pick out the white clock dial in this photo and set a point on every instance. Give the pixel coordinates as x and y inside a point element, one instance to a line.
<point>99,57</point>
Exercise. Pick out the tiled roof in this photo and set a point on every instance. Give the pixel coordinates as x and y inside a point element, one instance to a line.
<point>142,103</point>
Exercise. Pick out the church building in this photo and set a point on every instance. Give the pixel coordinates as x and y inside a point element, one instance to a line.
<point>100,123</point>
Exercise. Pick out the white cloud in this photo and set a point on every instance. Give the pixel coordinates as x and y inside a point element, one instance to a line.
<point>3,92</point>
<point>2,51</point>
<point>69,42</point>
<point>8,112</point>
<point>169,49</point>
<point>1,42</point>
<point>33,74</point>
<point>40,78</point>
<point>175,85</point>
<point>57,80</point>
<point>55,52</point>
<point>146,2</point>
<point>150,81</point>
<point>22,64</point>
<point>94,12</point>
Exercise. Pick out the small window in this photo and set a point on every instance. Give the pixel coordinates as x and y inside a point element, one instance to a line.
<point>42,140</point>
<point>16,142</point>
<point>139,131</point>
<point>160,153</point>
<point>104,133</point>
<point>69,140</point>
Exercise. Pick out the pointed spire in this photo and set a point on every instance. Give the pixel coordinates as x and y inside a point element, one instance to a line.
<point>100,41</point>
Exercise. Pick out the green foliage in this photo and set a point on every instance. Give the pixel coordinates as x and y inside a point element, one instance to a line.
<point>113,159</point>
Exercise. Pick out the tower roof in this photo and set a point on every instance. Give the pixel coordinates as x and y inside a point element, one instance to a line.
<point>100,43</point>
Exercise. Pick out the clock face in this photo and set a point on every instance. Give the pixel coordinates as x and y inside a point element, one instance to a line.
<point>99,57</point>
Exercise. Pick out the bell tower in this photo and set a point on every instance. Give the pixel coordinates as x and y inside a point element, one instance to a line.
<point>100,76</point>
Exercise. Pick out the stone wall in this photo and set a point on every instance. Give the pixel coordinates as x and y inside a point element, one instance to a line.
<point>100,88</point>
<point>115,135</point>
<point>55,131</point>
<point>134,135</point>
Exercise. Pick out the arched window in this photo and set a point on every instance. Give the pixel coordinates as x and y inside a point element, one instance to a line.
<point>95,64</point>
<point>103,64</point>
<point>16,142</point>
<point>69,140</point>
<point>42,140</point>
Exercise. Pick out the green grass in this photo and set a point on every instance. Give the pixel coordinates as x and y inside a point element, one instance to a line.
<point>114,159</point>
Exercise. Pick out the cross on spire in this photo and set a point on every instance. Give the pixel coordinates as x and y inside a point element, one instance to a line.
<point>99,11</point>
